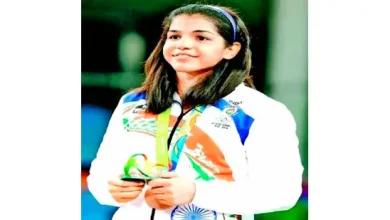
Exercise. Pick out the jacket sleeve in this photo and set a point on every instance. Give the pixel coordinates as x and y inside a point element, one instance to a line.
<point>274,180</point>
<point>108,164</point>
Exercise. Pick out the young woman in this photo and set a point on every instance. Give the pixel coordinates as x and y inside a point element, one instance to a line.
<point>229,150</point>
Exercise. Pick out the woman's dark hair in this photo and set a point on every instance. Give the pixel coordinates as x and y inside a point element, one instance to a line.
<point>160,83</point>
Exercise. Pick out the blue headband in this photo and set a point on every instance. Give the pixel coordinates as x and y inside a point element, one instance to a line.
<point>228,16</point>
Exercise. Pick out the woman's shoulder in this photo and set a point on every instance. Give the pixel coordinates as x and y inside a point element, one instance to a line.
<point>257,104</point>
<point>134,95</point>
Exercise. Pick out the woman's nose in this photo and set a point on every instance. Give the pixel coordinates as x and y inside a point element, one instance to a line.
<point>184,43</point>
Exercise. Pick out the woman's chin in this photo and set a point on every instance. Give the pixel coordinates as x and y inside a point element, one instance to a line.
<point>186,70</point>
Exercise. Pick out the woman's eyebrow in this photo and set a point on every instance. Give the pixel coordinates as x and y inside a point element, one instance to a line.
<point>195,31</point>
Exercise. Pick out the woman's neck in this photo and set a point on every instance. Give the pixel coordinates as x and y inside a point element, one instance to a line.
<point>187,80</point>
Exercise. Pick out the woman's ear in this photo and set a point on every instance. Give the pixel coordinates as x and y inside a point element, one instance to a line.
<point>232,51</point>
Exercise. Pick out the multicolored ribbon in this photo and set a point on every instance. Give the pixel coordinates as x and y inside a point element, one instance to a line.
<point>162,137</point>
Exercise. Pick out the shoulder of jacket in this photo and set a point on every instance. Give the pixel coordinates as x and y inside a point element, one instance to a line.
<point>133,96</point>
<point>257,104</point>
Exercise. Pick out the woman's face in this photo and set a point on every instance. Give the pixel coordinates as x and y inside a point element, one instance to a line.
<point>193,44</point>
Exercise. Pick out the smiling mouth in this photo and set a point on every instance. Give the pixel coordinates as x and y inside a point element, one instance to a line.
<point>183,55</point>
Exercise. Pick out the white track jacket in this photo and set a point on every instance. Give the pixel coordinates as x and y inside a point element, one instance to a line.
<point>242,153</point>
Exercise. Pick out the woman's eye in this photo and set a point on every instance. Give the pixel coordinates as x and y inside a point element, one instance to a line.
<point>201,38</point>
<point>173,37</point>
